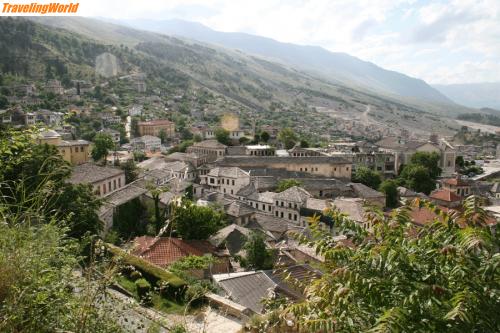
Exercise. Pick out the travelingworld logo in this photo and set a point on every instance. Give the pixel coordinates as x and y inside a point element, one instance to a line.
<point>39,8</point>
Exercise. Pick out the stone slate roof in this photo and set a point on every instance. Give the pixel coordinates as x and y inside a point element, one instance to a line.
<point>125,194</point>
<point>238,209</point>
<point>231,172</point>
<point>209,144</point>
<point>365,192</point>
<point>89,173</point>
<point>247,190</point>
<point>495,188</point>
<point>354,207</point>
<point>398,144</point>
<point>267,222</point>
<point>243,161</point>
<point>406,192</point>
<point>249,288</point>
<point>233,237</point>
<point>317,204</point>
<point>294,194</point>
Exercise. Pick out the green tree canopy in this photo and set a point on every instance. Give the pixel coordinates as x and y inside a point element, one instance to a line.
<point>264,136</point>
<point>287,137</point>
<point>429,161</point>
<point>367,177</point>
<point>438,278</point>
<point>417,178</point>
<point>257,255</point>
<point>196,222</point>
<point>29,168</point>
<point>222,136</point>
<point>103,143</point>
<point>131,171</point>
<point>390,188</point>
<point>285,184</point>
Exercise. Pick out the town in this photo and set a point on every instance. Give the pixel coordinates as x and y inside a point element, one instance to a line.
<point>202,213</point>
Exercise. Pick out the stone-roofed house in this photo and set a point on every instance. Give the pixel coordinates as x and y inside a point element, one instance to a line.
<point>326,166</point>
<point>289,202</point>
<point>354,208</point>
<point>146,143</point>
<point>250,288</point>
<point>226,180</point>
<point>404,149</point>
<point>239,212</point>
<point>495,190</point>
<point>406,194</point>
<point>213,148</point>
<point>233,238</point>
<point>164,251</point>
<point>114,134</point>
<point>104,180</point>
<point>370,195</point>
<point>315,207</point>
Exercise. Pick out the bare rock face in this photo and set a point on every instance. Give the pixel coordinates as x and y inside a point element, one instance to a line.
<point>107,65</point>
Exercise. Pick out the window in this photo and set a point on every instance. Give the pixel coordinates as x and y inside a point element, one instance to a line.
<point>119,182</point>
<point>104,189</point>
<point>114,184</point>
<point>109,186</point>
<point>289,216</point>
<point>233,182</point>
<point>289,205</point>
<point>269,208</point>
<point>281,214</point>
<point>277,203</point>
<point>276,213</point>
<point>295,205</point>
<point>212,181</point>
<point>320,193</point>
<point>282,204</point>
<point>295,217</point>
<point>231,191</point>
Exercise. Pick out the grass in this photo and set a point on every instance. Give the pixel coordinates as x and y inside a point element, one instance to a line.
<point>160,303</point>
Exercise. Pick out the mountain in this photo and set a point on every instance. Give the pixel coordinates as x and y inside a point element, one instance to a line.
<point>255,88</point>
<point>336,66</point>
<point>475,95</point>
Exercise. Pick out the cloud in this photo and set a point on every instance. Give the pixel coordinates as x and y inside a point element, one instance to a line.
<point>430,40</point>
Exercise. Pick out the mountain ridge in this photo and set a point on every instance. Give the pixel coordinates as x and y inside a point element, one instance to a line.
<point>475,95</point>
<point>336,66</point>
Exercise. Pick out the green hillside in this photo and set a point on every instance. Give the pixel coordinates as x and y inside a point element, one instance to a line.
<point>66,48</point>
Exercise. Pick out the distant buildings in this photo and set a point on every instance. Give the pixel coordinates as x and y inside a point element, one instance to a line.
<point>211,148</point>
<point>146,143</point>
<point>104,180</point>
<point>73,151</point>
<point>154,127</point>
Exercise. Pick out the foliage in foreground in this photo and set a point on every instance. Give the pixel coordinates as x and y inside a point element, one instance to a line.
<point>40,289</point>
<point>438,278</point>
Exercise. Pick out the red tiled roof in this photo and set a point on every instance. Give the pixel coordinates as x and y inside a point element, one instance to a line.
<point>455,182</point>
<point>423,216</point>
<point>164,251</point>
<point>445,195</point>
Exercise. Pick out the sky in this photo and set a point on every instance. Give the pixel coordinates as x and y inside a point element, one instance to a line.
<point>442,42</point>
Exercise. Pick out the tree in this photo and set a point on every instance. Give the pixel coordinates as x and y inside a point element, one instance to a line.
<point>367,177</point>
<point>130,169</point>
<point>304,144</point>
<point>163,136</point>
<point>429,161</point>
<point>439,278</point>
<point>30,169</point>
<point>222,136</point>
<point>195,222</point>
<point>390,188</point>
<point>103,143</point>
<point>285,184</point>
<point>459,161</point>
<point>287,137</point>
<point>264,136</point>
<point>134,127</point>
<point>417,178</point>
<point>3,102</point>
<point>159,215</point>
<point>257,255</point>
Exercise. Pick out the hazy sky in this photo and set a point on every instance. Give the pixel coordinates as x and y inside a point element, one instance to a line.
<point>454,41</point>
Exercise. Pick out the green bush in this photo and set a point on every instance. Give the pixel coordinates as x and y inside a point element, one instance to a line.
<point>143,287</point>
<point>135,275</point>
